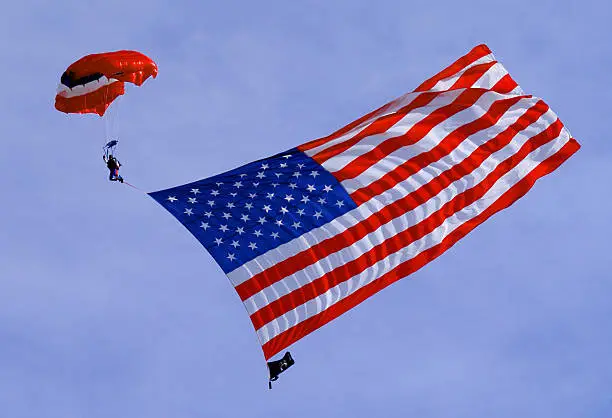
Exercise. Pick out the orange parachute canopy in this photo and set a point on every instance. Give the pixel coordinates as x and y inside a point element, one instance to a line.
<point>90,84</point>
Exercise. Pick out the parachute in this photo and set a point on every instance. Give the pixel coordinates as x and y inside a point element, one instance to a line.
<point>92,83</point>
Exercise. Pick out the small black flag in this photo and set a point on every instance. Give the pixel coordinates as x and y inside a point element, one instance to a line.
<point>279,366</point>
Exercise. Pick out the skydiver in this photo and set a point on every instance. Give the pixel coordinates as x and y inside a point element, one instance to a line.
<point>113,165</point>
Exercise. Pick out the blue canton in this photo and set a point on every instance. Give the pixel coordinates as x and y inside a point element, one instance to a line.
<point>252,209</point>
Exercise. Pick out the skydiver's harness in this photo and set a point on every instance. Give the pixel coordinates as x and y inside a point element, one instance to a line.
<point>111,162</point>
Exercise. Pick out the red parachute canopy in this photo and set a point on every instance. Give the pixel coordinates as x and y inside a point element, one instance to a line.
<point>90,84</point>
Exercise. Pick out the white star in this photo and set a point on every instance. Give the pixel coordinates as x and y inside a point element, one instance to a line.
<point>234,194</point>
<point>287,156</point>
<point>255,183</point>
<point>279,223</point>
<point>269,195</point>
<point>204,225</point>
<point>274,235</point>
<point>208,214</point>
<point>189,211</point>
<point>248,205</point>
<point>305,199</point>
<point>238,184</point>
<point>327,188</point>
<point>314,174</point>
<point>322,201</point>
<point>219,183</point>
<point>252,195</point>
<point>223,228</point>
<point>267,208</point>
<point>284,210</point>
<point>296,225</point>
<point>275,184</point>
<point>257,233</point>
<point>264,166</point>
<point>235,244</point>
<point>283,165</point>
<point>292,185</point>
<point>218,241</point>
<point>317,214</point>
<point>262,220</point>
<point>211,203</point>
<point>192,200</point>
<point>278,175</point>
<point>215,192</point>
<point>230,205</point>
<point>300,212</point>
<point>240,230</point>
<point>288,198</point>
<point>339,203</point>
<point>297,174</point>
<point>245,217</point>
<point>195,191</point>
<point>172,199</point>
<point>227,215</point>
<point>311,188</point>
<point>260,175</point>
<point>252,246</point>
<point>242,176</point>
<point>231,257</point>
<point>300,165</point>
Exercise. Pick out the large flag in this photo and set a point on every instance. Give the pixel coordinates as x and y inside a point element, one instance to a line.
<point>310,233</point>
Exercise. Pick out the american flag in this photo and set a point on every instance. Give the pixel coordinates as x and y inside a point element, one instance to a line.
<point>310,233</point>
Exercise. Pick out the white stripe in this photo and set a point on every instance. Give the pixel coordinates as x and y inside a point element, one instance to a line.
<point>435,137</point>
<point>447,82</point>
<point>80,90</point>
<point>388,109</point>
<point>370,142</point>
<point>403,126</point>
<point>493,75</point>
<point>339,292</point>
<point>409,219</point>
<point>517,91</point>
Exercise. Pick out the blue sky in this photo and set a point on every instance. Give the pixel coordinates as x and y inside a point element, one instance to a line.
<point>108,307</point>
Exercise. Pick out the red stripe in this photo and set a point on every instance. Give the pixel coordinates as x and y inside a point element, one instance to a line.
<point>465,100</point>
<point>379,126</point>
<point>505,85</point>
<point>404,238</point>
<point>474,55</point>
<point>293,334</point>
<point>472,75</point>
<point>385,122</point>
<point>317,142</point>
<point>446,146</point>
<point>329,246</point>
<point>96,101</point>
